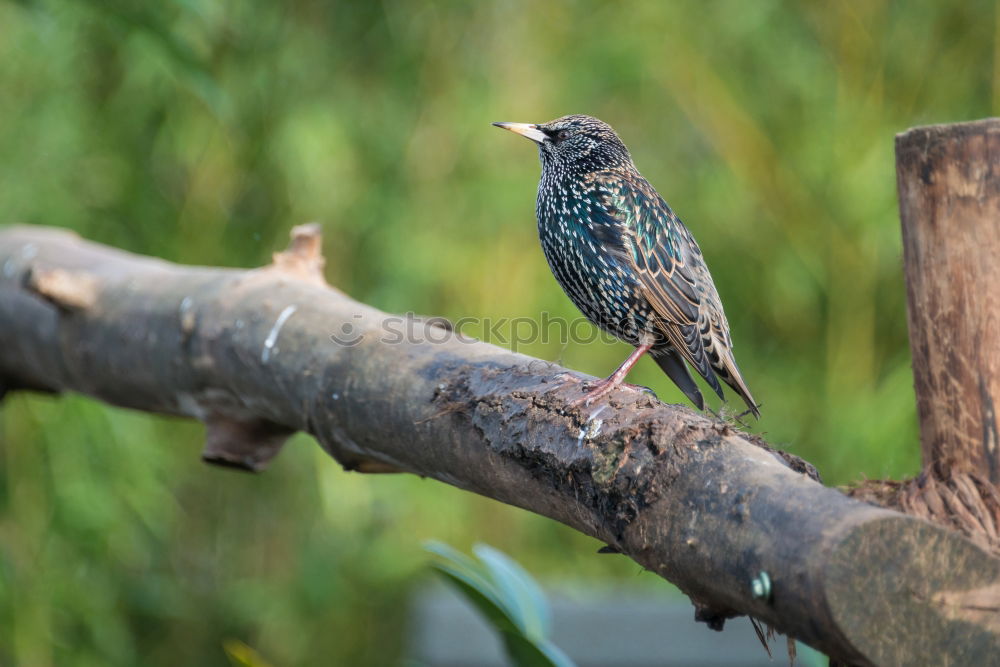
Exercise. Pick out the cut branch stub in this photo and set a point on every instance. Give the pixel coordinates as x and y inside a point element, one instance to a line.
<point>66,289</point>
<point>303,259</point>
<point>942,593</point>
<point>245,444</point>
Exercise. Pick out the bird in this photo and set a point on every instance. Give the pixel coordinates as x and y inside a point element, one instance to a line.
<point>626,260</point>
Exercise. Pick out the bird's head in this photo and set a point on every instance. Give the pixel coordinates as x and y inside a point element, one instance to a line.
<point>578,143</point>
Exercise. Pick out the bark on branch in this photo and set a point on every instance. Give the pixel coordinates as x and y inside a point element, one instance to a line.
<point>255,355</point>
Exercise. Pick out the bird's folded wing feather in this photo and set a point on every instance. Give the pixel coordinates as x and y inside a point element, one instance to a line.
<point>669,267</point>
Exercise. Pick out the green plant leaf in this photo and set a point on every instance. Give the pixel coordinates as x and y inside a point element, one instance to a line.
<point>518,592</point>
<point>472,580</point>
<point>555,654</point>
<point>524,652</point>
<point>487,605</point>
<point>474,573</point>
<point>509,599</point>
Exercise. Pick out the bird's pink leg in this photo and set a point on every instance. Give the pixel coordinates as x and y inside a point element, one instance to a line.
<point>605,386</point>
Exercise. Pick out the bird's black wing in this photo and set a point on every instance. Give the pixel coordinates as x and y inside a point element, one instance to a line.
<point>669,267</point>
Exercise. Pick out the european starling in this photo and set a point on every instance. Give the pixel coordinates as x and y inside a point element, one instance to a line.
<point>626,260</point>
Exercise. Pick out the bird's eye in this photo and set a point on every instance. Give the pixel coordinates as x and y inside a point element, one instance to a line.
<point>562,135</point>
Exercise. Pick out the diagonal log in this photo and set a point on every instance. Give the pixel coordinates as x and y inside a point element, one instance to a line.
<point>260,354</point>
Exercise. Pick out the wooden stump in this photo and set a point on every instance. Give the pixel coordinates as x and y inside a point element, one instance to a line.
<point>949,201</point>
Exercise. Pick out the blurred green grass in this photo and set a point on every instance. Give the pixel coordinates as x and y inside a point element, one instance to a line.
<point>202,131</point>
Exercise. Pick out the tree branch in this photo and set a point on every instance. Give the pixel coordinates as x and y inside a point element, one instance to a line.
<point>255,355</point>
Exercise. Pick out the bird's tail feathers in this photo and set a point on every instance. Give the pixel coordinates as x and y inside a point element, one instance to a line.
<point>675,368</point>
<point>730,374</point>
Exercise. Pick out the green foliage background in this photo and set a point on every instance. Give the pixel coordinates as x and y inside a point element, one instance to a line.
<point>201,131</point>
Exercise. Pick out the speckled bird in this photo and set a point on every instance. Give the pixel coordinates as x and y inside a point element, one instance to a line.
<point>626,260</point>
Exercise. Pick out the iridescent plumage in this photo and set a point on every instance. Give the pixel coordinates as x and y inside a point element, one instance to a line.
<point>625,259</point>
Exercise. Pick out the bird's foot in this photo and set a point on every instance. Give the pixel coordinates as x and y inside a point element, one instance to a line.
<point>641,388</point>
<point>597,390</point>
<point>602,388</point>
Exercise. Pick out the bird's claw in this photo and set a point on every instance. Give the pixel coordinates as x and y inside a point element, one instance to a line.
<point>597,390</point>
<point>602,388</point>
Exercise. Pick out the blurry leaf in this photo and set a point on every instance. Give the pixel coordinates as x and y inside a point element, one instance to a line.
<point>468,577</point>
<point>524,652</point>
<point>486,604</point>
<point>518,591</point>
<point>463,566</point>
<point>242,655</point>
<point>555,654</point>
<point>509,599</point>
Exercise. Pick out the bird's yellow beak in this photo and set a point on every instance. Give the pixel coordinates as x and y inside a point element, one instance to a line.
<point>525,130</point>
